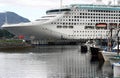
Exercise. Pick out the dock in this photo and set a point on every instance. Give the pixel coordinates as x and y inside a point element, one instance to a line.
<point>13,44</point>
<point>58,42</point>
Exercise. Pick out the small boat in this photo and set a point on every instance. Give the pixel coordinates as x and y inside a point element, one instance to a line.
<point>113,54</point>
<point>107,55</point>
<point>90,43</point>
<point>116,70</point>
<point>114,59</point>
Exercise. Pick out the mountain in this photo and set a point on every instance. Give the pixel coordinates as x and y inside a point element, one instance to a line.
<point>11,18</point>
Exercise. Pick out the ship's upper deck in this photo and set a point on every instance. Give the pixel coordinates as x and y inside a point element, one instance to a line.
<point>97,7</point>
<point>58,10</point>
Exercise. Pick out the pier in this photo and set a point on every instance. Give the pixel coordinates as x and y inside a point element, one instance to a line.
<point>58,42</point>
<point>64,41</point>
<point>13,44</point>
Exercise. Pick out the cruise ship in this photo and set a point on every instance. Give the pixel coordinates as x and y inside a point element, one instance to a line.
<point>76,21</point>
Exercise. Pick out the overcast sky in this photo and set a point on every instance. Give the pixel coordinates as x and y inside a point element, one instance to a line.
<point>33,9</point>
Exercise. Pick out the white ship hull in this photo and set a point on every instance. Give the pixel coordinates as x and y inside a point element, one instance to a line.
<point>36,30</point>
<point>73,22</point>
<point>47,32</point>
<point>39,31</point>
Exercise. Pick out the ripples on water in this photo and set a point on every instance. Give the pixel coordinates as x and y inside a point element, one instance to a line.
<point>51,62</point>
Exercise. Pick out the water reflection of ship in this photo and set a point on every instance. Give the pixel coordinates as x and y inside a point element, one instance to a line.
<point>52,49</point>
<point>107,69</point>
<point>94,59</point>
<point>75,65</point>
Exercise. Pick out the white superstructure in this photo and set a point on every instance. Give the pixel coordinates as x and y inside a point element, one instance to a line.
<point>77,21</point>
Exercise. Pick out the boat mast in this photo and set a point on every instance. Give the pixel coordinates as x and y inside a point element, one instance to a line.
<point>118,42</point>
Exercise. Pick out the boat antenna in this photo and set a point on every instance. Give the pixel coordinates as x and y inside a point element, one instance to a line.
<point>118,42</point>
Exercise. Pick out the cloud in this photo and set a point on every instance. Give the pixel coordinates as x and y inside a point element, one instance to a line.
<point>35,3</point>
<point>34,8</point>
<point>41,3</point>
<point>38,3</point>
<point>30,3</point>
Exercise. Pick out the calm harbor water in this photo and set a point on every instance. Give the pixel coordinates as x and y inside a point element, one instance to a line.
<point>52,62</point>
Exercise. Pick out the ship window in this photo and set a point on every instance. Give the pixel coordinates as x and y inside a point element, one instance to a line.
<point>52,23</point>
<point>64,26</point>
<point>74,16</point>
<point>89,27</point>
<point>57,10</point>
<point>70,26</point>
<point>59,26</point>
